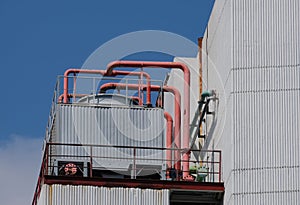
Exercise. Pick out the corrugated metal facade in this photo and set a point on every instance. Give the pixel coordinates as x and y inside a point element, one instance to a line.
<point>78,195</point>
<point>110,126</point>
<point>216,62</point>
<point>253,61</point>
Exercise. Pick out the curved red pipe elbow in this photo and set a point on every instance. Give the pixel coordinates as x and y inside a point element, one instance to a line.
<point>186,91</point>
<point>103,72</point>
<point>148,64</point>
<point>75,70</point>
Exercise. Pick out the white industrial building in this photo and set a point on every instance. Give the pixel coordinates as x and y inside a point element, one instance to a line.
<point>250,57</point>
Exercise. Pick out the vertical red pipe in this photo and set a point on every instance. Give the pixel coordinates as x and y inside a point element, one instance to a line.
<point>186,91</point>
<point>177,114</point>
<point>140,74</point>
<point>169,134</point>
<point>74,71</point>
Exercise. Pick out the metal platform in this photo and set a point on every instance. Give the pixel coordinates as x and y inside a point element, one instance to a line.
<point>185,192</point>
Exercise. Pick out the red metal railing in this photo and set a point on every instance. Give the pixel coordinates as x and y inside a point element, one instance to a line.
<point>208,167</point>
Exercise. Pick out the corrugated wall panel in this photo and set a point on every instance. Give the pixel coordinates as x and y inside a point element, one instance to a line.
<point>266,33</point>
<point>78,195</point>
<point>217,61</point>
<point>111,126</point>
<point>263,65</point>
<point>266,92</point>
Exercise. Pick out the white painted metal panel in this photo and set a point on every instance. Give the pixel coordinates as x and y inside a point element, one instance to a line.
<point>176,80</point>
<point>111,126</point>
<point>266,92</point>
<point>79,195</point>
<point>255,48</point>
<point>217,61</point>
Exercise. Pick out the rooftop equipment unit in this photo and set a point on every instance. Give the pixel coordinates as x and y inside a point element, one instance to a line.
<point>115,132</point>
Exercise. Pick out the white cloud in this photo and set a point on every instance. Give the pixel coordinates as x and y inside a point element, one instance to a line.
<point>20,160</point>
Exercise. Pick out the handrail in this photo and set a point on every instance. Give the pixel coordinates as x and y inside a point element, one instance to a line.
<point>213,165</point>
<point>44,167</point>
<point>52,111</point>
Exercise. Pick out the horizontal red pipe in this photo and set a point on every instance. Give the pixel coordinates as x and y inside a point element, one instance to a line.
<point>186,91</point>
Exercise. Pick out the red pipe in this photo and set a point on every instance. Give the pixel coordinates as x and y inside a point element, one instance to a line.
<point>103,72</point>
<point>177,105</point>
<point>141,74</point>
<point>169,134</point>
<point>167,116</point>
<point>61,97</point>
<point>186,91</point>
<point>177,117</point>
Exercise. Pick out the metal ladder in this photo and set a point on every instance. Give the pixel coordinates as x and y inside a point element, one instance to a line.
<point>202,111</point>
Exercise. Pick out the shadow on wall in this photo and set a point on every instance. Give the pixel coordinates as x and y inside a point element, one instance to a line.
<point>212,127</point>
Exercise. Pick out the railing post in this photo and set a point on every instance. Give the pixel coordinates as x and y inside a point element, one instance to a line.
<point>57,88</point>
<point>220,166</point>
<point>47,158</point>
<point>91,161</point>
<point>140,83</point>
<point>94,86</point>
<point>134,163</point>
<point>126,91</point>
<point>210,166</point>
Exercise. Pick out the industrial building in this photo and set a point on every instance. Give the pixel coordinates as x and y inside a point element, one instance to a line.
<point>222,128</point>
<point>251,56</point>
<point>107,142</point>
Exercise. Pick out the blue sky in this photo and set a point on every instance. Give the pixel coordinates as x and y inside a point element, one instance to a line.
<point>41,39</point>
